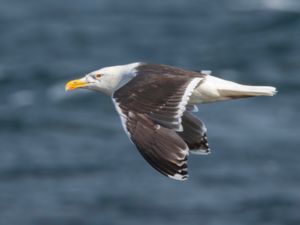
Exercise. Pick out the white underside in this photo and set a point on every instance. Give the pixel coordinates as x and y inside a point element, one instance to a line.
<point>213,89</point>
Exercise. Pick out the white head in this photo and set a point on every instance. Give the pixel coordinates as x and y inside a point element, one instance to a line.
<point>105,80</point>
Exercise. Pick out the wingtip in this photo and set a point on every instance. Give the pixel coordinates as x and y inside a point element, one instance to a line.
<point>179,177</point>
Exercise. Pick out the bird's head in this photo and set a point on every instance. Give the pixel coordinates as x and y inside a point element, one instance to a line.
<point>105,80</point>
<point>94,81</point>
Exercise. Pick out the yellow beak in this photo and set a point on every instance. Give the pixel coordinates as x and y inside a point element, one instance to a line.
<point>74,84</point>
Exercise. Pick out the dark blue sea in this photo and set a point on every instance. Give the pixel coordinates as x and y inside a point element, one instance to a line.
<point>64,157</point>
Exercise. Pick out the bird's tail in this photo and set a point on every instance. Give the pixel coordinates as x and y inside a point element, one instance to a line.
<point>239,91</point>
<point>215,89</point>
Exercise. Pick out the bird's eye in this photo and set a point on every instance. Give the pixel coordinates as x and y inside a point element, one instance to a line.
<point>98,75</point>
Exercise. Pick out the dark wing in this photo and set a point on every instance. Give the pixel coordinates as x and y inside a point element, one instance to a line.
<point>160,146</point>
<point>151,107</point>
<point>162,98</point>
<point>194,134</point>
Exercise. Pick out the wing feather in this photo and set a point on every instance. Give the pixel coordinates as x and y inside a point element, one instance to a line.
<point>151,107</point>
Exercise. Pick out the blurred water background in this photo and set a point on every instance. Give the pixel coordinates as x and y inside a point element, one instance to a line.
<point>64,158</point>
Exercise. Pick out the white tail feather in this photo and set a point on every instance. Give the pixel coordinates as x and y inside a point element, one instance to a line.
<point>246,90</point>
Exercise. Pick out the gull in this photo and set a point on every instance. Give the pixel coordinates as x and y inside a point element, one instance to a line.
<point>156,103</point>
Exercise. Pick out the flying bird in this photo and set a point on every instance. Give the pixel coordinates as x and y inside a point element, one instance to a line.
<point>156,103</point>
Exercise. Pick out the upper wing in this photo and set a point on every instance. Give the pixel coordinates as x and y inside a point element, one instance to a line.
<point>162,98</point>
<point>151,107</point>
